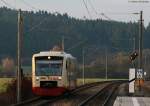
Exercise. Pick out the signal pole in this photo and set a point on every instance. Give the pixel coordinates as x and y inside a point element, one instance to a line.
<point>134,50</point>
<point>140,63</point>
<point>83,67</point>
<point>140,40</point>
<point>20,34</point>
<point>106,64</point>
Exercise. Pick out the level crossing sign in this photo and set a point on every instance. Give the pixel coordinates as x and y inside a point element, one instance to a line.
<point>139,73</point>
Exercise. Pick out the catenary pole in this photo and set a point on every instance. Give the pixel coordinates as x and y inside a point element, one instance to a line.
<point>106,63</point>
<point>140,40</point>
<point>83,66</point>
<point>19,37</point>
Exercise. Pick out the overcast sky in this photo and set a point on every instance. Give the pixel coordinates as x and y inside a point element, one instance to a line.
<point>120,10</point>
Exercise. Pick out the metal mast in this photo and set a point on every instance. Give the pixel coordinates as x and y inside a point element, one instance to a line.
<point>140,40</point>
<point>83,67</point>
<point>20,33</point>
<point>106,63</point>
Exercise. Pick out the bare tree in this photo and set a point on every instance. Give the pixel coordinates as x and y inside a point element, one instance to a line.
<point>8,64</point>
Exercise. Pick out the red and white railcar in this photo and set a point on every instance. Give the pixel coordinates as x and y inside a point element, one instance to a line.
<point>53,73</point>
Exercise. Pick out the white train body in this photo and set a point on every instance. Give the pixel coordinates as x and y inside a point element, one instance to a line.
<point>53,73</point>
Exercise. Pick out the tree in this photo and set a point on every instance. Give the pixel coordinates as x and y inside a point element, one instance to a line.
<point>8,64</point>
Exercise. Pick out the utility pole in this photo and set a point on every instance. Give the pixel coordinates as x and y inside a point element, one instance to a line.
<point>140,40</point>
<point>63,46</point>
<point>19,37</point>
<point>140,63</point>
<point>83,67</point>
<point>106,63</point>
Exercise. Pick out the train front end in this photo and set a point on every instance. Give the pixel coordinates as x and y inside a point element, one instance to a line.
<point>47,72</point>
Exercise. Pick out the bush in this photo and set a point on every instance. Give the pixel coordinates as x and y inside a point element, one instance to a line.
<point>11,94</point>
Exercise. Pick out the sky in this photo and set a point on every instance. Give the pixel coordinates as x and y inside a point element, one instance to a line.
<point>118,10</point>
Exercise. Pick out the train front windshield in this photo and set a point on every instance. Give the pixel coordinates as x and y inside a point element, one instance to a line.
<point>49,66</point>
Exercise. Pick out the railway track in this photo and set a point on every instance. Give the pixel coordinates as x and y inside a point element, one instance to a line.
<point>102,97</point>
<point>39,101</point>
<point>99,94</point>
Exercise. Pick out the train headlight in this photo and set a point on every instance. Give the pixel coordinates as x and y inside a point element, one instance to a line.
<point>37,78</point>
<point>59,78</point>
<point>49,57</point>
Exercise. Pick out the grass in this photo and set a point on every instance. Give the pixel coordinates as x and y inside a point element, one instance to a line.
<point>90,80</point>
<point>8,90</point>
<point>5,81</point>
<point>4,84</point>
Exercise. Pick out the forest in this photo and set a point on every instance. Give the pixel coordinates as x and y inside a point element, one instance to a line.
<point>43,30</point>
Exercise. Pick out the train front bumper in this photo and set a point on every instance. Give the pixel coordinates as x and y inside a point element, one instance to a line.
<point>55,91</point>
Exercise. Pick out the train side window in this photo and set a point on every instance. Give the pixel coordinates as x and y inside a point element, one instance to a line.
<point>67,64</point>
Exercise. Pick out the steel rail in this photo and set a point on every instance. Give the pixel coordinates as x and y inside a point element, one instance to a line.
<point>100,92</point>
<point>110,95</point>
<point>78,89</point>
<point>83,87</point>
<point>38,101</point>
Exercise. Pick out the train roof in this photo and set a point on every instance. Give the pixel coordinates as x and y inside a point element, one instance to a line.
<point>54,53</point>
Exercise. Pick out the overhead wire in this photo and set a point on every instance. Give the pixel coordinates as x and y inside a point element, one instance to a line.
<point>95,11</point>
<point>103,14</point>
<point>76,45</point>
<point>37,25</point>
<point>34,8</point>
<point>29,5</point>
<point>8,4</point>
<point>92,7</point>
<point>85,4</point>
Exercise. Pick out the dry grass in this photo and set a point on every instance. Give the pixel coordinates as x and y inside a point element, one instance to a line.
<point>8,90</point>
<point>4,82</point>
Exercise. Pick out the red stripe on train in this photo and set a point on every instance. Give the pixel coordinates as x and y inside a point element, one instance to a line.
<point>48,91</point>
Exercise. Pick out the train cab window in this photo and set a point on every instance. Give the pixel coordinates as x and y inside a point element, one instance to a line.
<point>49,67</point>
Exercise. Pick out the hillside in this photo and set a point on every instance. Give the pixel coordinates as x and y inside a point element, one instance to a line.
<point>43,30</point>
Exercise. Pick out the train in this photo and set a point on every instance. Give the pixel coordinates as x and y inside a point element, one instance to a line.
<point>53,73</point>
